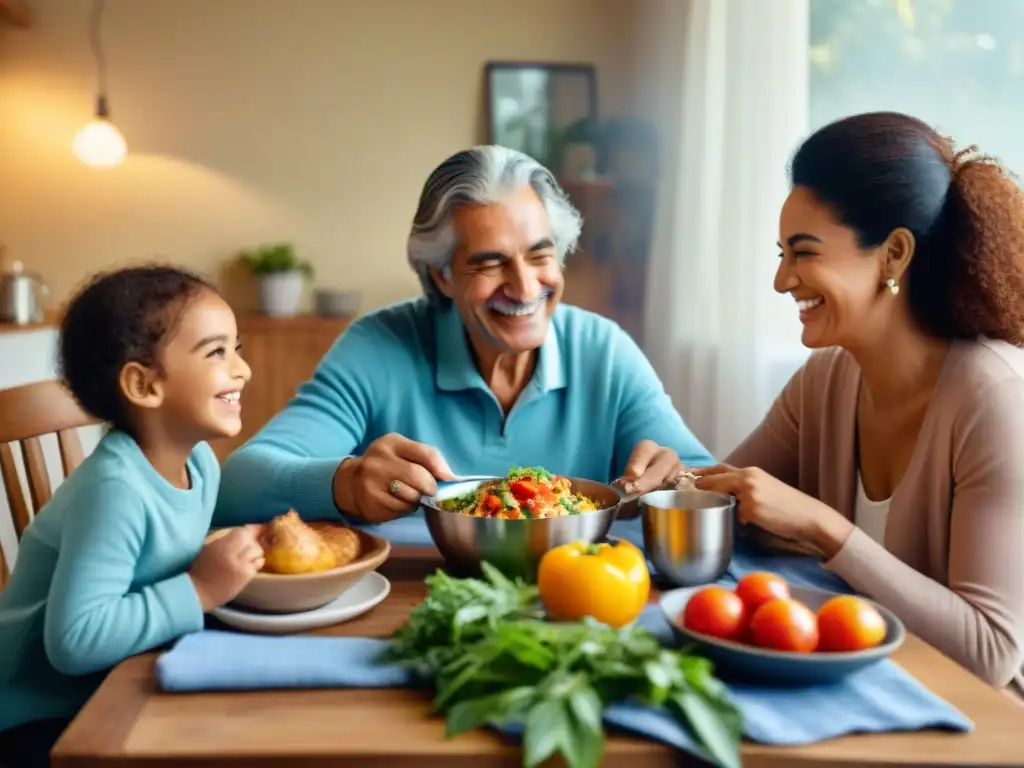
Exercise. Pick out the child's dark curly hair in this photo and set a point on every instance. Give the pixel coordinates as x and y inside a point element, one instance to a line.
<point>120,317</point>
<point>884,170</point>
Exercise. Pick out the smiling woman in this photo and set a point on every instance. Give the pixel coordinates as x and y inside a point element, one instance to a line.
<point>897,450</point>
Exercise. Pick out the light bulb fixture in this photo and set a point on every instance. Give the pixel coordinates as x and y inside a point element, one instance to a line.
<point>99,144</point>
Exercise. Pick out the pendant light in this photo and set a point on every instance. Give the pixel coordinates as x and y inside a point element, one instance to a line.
<point>99,144</point>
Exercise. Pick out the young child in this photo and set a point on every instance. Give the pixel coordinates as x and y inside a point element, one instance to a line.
<point>115,565</point>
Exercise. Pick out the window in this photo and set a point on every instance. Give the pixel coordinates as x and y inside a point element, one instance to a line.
<point>956,64</point>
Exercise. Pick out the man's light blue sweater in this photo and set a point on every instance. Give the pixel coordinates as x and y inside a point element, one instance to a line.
<point>408,369</point>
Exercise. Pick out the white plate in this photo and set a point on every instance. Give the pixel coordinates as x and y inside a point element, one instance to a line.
<point>365,594</point>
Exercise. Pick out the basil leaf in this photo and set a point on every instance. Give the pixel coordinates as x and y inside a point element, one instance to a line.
<point>469,714</point>
<point>657,676</point>
<point>447,692</point>
<point>715,693</point>
<point>515,703</point>
<point>709,728</point>
<point>467,614</point>
<point>545,732</point>
<point>620,669</point>
<point>585,706</point>
<point>497,578</point>
<point>584,746</point>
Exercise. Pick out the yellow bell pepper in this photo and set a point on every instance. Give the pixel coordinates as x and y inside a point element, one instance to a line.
<point>607,581</point>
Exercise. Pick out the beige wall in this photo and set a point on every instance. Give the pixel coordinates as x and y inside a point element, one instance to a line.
<point>256,120</point>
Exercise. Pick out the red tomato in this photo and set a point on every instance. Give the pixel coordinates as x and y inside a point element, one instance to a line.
<point>756,589</point>
<point>785,625</point>
<point>524,490</point>
<point>848,623</point>
<point>716,611</point>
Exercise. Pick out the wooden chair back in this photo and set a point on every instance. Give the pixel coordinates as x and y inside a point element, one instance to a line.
<point>27,413</point>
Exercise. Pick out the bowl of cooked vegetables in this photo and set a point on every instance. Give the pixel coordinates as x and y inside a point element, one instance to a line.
<point>512,521</point>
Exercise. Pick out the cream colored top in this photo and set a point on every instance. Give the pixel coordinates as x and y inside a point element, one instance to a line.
<point>870,516</point>
<point>952,565</point>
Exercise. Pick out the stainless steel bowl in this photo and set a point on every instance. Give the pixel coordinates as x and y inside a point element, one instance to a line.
<point>688,534</point>
<point>514,547</point>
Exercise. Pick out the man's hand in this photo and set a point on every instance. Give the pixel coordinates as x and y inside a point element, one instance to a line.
<point>388,479</point>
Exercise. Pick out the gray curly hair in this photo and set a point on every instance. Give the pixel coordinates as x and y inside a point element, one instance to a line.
<point>481,176</point>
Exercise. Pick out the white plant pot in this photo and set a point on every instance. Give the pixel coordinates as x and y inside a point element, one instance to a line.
<point>280,293</point>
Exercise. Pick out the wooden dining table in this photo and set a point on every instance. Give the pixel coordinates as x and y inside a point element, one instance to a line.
<point>128,722</point>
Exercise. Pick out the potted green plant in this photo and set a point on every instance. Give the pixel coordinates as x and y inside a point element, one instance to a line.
<point>280,274</point>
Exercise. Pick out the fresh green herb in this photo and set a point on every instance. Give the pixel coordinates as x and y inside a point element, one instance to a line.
<point>494,661</point>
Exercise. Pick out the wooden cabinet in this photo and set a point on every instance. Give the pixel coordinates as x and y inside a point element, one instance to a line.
<point>282,352</point>
<point>15,12</point>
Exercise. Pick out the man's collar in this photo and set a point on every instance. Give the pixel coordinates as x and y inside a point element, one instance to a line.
<point>457,371</point>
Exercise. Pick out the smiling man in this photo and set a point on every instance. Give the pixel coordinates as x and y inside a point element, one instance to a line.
<point>486,371</point>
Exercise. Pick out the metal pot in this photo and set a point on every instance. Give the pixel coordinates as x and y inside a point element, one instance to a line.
<point>514,547</point>
<point>22,296</point>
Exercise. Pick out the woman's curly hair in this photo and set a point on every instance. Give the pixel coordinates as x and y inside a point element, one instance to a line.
<point>119,317</point>
<point>881,171</point>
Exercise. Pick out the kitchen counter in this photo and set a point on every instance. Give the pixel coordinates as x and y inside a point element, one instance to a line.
<point>51,320</point>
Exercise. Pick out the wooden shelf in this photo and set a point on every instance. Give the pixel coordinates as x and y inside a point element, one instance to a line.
<point>314,324</point>
<point>14,12</point>
<point>51,321</point>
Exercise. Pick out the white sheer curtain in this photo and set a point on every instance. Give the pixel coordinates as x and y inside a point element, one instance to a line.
<point>736,107</point>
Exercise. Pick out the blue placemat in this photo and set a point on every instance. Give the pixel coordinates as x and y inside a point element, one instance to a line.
<point>409,531</point>
<point>798,570</point>
<point>880,698</point>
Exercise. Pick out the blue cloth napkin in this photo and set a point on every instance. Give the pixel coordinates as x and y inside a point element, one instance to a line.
<point>213,660</point>
<point>879,698</point>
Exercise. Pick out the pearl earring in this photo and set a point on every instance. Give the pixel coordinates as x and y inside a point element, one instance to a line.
<point>892,286</point>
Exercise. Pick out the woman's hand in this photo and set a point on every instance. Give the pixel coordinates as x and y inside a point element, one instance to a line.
<point>778,508</point>
<point>650,466</point>
<point>388,479</point>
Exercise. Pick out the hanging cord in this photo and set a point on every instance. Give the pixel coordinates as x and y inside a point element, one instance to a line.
<point>96,43</point>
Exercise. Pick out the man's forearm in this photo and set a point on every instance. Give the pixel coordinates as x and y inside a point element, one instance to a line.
<point>259,482</point>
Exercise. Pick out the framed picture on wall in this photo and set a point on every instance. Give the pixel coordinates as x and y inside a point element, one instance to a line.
<point>534,106</point>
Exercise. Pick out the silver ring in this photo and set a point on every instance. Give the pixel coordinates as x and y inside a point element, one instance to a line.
<point>393,488</point>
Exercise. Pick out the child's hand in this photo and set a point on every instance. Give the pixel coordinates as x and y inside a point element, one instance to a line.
<point>225,565</point>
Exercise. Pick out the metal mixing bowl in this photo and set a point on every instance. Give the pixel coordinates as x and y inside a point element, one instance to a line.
<point>514,547</point>
<point>688,534</point>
